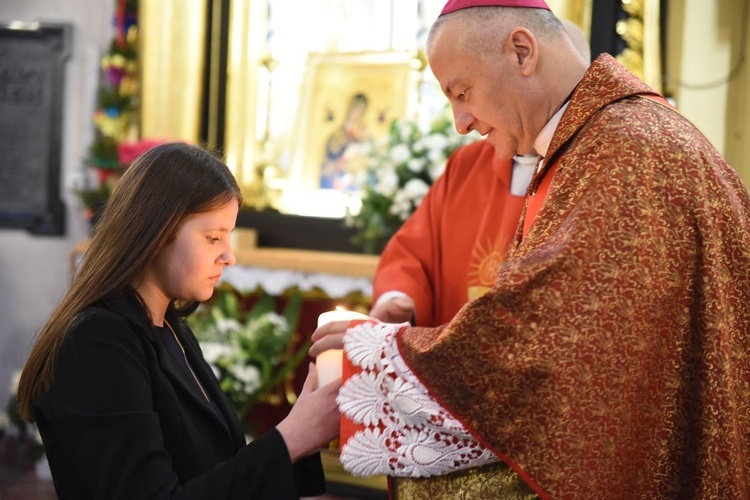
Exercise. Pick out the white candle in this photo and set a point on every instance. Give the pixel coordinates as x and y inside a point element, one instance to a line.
<point>329,362</point>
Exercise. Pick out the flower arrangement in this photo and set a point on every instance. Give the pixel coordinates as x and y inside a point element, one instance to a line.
<point>401,167</point>
<point>251,350</point>
<point>94,198</point>
<point>14,427</point>
<point>116,116</point>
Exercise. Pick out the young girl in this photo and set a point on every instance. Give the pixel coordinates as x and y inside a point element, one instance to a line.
<point>125,403</point>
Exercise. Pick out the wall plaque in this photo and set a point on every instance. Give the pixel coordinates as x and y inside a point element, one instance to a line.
<point>32,63</point>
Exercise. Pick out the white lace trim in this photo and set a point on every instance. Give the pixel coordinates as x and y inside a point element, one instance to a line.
<point>407,433</point>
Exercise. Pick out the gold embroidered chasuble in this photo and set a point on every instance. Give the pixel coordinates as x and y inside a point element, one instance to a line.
<point>611,358</point>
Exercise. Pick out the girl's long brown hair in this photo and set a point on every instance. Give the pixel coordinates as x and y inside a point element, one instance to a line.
<point>162,187</point>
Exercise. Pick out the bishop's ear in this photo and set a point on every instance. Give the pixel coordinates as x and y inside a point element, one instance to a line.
<point>524,47</point>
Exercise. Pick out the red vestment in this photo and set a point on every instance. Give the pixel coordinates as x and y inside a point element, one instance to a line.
<point>612,357</point>
<point>453,244</point>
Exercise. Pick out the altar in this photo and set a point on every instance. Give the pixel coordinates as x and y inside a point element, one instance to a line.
<point>336,275</point>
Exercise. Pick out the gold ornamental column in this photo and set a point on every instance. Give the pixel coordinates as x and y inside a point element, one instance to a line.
<point>641,33</point>
<point>245,108</point>
<point>738,93</point>
<point>172,64</point>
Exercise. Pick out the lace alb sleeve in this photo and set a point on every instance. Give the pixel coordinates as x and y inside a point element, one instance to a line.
<point>406,432</point>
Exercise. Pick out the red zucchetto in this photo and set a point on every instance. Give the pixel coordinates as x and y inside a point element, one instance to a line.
<point>454,5</point>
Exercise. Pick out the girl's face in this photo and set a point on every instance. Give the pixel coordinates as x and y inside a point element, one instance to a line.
<point>190,265</point>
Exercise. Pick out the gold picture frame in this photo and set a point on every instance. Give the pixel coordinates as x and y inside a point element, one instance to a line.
<point>345,98</point>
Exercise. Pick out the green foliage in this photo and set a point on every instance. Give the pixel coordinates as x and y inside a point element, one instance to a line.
<point>112,98</point>
<point>115,118</point>
<point>11,423</point>
<point>95,198</point>
<point>250,350</point>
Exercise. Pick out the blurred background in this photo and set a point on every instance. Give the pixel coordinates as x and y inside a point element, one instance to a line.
<point>85,85</point>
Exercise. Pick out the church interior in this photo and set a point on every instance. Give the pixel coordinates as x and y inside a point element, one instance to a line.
<point>300,97</point>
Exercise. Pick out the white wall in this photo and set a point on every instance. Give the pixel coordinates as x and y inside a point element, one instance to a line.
<point>703,50</point>
<point>706,58</point>
<point>34,269</point>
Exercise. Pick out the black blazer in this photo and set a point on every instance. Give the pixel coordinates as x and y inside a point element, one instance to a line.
<point>124,419</point>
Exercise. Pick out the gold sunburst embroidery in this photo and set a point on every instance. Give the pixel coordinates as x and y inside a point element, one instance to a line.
<point>485,261</point>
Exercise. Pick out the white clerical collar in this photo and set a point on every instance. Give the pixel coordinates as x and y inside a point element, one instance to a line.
<point>523,170</point>
<point>541,143</point>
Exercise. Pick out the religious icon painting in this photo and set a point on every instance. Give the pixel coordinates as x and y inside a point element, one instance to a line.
<point>347,99</point>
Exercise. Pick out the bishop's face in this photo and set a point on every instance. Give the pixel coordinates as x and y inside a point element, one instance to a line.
<point>486,91</point>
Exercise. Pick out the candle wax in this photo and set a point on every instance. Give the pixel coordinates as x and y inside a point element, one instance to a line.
<point>329,363</point>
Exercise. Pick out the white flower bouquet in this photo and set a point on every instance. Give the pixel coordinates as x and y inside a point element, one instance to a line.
<point>401,167</point>
<point>251,350</point>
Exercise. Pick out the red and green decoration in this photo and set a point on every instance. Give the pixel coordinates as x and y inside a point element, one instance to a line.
<point>116,116</point>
